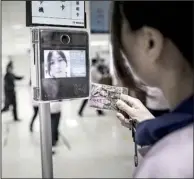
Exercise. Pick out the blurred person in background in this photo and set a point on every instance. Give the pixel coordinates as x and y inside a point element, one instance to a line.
<point>35,110</point>
<point>96,76</point>
<point>9,91</point>
<point>106,76</point>
<point>155,37</point>
<point>55,109</point>
<point>35,114</point>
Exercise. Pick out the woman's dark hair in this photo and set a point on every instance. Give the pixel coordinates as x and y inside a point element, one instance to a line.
<point>49,57</point>
<point>173,19</point>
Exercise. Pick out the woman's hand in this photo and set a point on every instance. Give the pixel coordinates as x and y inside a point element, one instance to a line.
<point>134,108</point>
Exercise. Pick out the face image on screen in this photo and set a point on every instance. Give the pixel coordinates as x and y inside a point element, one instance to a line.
<point>64,63</point>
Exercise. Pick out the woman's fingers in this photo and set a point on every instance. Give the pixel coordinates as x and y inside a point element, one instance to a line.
<point>130,100</point>
<point>120,116</point>
<point>127,125</point>
<point>125,122</point>
<point>125,107</point>
<point>134,108</point>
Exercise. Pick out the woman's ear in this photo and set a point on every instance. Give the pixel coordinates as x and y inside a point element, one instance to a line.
<point>151,42</point>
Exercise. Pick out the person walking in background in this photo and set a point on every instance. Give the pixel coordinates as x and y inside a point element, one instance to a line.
<point>35,109</point>
<point>106,78</point>
<point>9,90</point>
<point>55,109</point>
<point>96,76</point>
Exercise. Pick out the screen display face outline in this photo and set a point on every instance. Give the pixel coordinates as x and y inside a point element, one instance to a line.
<point>29,18</point>
<point>64,63</point>
<point>64,88</point>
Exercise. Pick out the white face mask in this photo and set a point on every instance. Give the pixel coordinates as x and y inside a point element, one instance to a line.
<point>135,76</point>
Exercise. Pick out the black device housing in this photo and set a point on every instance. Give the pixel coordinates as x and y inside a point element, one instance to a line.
<point>69,87</point>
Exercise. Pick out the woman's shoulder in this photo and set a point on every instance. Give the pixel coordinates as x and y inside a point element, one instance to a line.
<point>172,156</point>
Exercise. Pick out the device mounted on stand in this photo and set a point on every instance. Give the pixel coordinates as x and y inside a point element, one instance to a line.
<point>61,61</point>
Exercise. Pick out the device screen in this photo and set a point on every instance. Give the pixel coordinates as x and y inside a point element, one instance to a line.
<point>64,63</point>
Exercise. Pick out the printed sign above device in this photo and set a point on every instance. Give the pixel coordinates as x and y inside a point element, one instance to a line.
<point>55,13</point>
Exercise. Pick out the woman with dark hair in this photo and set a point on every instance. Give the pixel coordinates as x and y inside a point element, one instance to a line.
<point>57,64</point>
<point>154,40</point>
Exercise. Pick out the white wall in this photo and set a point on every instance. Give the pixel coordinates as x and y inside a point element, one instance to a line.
<point>4,63</point>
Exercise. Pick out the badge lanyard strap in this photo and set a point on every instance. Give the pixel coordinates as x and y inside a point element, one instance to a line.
<point>133,130</point>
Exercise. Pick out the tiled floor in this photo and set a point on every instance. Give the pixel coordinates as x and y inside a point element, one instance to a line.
<point>99,146</point>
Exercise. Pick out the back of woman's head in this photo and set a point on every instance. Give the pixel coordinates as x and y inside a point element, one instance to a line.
<point>173,19</point>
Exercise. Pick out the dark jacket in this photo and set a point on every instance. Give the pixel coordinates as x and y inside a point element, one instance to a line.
<point>168,141</point>
<point>9,85</point>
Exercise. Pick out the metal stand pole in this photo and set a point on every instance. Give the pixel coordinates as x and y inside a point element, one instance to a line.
<point>1,99</point>
<point>46,140</point>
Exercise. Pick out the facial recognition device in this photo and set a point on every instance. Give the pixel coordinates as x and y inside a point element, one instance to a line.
<point>61,62</point>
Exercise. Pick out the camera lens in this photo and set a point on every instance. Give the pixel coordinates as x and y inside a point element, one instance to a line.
<point>65,39</point>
